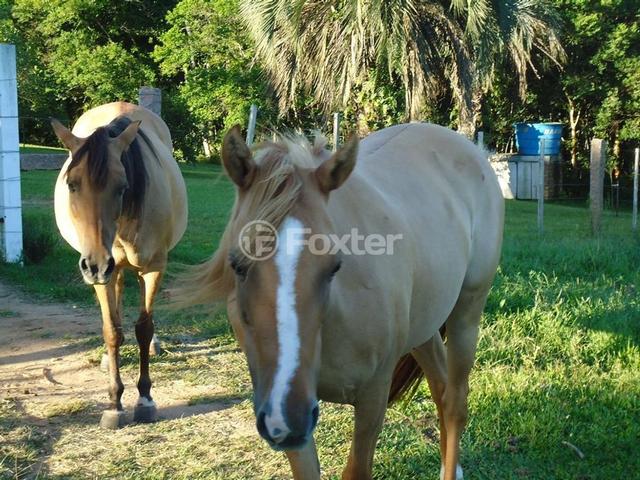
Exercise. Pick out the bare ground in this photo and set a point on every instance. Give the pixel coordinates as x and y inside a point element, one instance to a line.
<point>43,359</point>
<point>54,391</point>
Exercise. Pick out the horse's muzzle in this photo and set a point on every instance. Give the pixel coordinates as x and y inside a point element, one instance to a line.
<point>290,435</point>
<point>94,273</point>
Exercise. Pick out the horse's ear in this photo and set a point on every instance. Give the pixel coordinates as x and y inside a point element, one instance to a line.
<point>237,159</point>
<point>128,135</point>
<point>68,139</point>
<point>334,171</point>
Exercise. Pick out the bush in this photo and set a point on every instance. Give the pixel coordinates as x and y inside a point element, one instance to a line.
<point>39,238</point>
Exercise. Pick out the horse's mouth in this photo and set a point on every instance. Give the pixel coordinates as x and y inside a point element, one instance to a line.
<point>289,443</point>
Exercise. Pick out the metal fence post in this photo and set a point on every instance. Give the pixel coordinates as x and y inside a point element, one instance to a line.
<point>251,130</point>
<point>336,130</point>
<point>481,139</point>
<point>596,188</point>
<point>634,218</point>
<point>541,188</point>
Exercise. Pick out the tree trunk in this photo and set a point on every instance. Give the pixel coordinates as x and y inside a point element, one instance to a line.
<point>574,117</point>
<point>470,112</point>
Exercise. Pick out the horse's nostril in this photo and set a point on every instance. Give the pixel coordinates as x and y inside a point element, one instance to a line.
<point>83,264</point>
<point>110,266</point>
<point>262,426</point>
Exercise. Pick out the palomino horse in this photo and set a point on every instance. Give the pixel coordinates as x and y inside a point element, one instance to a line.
<point>343,326</point>
<point>121,202</point>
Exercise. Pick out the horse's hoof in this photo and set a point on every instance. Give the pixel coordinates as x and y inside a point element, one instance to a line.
<point>104,363</point>
<point>155,348</point>
<point>113,419</point>
<point>145,414</point>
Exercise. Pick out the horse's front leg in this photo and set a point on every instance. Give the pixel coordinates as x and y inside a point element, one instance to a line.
<point>113,338</point>
<point>370,407</point>
<point>145,410</point>
<point>304,462</point>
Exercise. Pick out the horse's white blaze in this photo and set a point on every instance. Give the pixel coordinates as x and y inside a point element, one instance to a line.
<point>459,475</point>
<point>286,260</point>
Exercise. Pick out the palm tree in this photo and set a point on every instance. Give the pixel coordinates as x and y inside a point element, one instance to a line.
<point>328,47</point>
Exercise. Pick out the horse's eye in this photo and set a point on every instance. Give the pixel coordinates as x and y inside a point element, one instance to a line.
<point>73,187</point>
<point>238,267</point>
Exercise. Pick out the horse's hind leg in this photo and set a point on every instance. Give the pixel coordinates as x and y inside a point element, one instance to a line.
<point>113,338</point>
<point>462,339</point>
<point>432,358</point>
<point>145,410</point>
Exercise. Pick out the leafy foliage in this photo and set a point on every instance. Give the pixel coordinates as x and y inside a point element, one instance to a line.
<point>207,53</point>
<point>329,48</point>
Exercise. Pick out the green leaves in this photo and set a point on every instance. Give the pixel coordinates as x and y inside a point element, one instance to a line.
<point>208,55</point>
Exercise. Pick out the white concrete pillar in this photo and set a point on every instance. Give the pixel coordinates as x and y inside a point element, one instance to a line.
<point>10,197</point>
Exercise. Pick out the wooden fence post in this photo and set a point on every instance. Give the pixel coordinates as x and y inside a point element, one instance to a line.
<point>634,219</point>
<point>596,189</point>
<point>541,188</point>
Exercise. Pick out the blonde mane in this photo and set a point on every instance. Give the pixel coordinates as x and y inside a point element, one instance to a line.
<point>273,193</point>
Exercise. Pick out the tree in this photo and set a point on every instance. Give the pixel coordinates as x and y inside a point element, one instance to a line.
<point>75,54</point>
<point>207,54</point>
<point>329,48</point>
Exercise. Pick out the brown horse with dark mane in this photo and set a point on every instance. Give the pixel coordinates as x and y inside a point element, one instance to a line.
<point>352,325</point>
<point>121,202</point>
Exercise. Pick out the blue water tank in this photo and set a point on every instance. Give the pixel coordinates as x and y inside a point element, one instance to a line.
<point>528,137</point>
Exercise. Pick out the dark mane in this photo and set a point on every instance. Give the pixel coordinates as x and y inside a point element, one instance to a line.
<point>95,147</point>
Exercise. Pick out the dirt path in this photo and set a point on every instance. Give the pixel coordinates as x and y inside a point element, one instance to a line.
<point>44,361</point>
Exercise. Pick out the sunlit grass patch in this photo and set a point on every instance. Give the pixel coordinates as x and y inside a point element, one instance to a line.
<point>69,407</point>
<point>558,363</point>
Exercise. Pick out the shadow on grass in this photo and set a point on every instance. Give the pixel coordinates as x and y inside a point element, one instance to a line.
<point>622,321</point>
<point>524,426</point>
<point>28,441</point>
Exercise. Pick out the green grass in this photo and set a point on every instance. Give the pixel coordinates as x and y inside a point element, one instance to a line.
<point>28,148</point>
<point>558,361</point>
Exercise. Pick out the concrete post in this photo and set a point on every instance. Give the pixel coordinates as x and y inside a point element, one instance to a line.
<point>596,190</point>
<point>151,98</point>
<point>10,196</point>
<point>480,139</point>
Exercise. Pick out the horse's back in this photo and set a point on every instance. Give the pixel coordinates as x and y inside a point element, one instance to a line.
<point>104,114</point>
<point>427,169</point>
<point>436,189</point>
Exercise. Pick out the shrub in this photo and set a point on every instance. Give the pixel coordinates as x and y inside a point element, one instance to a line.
<point>39,238</point>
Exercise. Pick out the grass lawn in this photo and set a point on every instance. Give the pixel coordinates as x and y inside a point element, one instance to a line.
<point>558,365</point>
<point>28,148</point>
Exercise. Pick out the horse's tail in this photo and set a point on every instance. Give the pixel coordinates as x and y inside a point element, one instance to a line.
<point>207,283</point>
<point>406,378</point>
